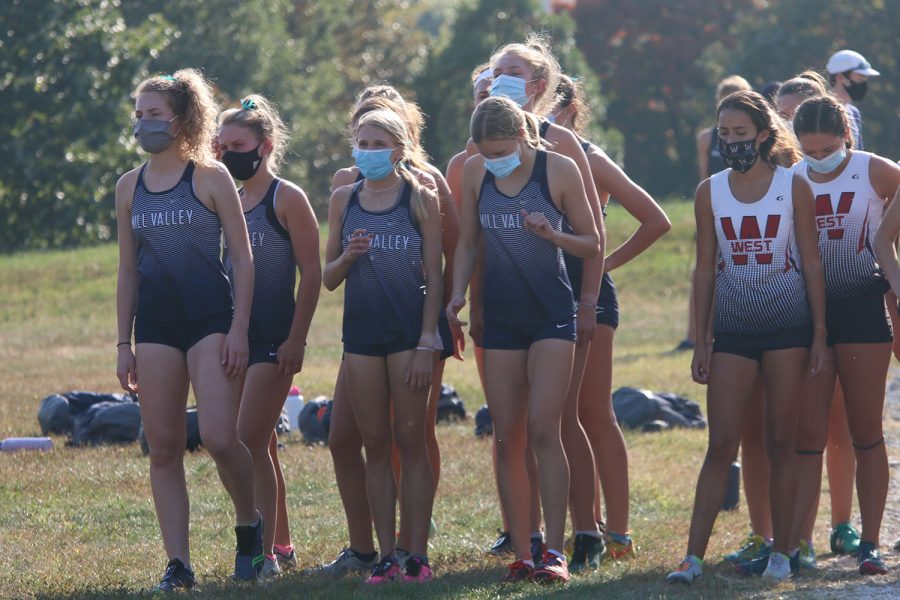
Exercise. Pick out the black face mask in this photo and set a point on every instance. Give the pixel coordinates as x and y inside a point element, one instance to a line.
<point>740,156</point>
<point>242,165</point>
<point>857,89</point>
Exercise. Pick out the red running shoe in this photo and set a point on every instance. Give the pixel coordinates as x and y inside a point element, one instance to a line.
<point>551,569</point>
<point>519,571</point>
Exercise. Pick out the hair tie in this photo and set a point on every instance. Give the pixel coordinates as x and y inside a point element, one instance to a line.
<point>248,104</point>
<point>169,78</point>
<point>574,78</point>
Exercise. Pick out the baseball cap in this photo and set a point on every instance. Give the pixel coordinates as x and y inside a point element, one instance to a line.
<point>848,60</point>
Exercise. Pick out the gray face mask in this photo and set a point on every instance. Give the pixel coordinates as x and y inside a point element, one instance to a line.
<point>153,136</point>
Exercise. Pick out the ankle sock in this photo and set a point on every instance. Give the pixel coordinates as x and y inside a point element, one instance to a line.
<point>284,550</point>
<point>556,553</point>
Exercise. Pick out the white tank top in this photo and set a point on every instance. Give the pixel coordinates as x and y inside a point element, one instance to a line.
<point>848,213</point>
<point>759,284</point>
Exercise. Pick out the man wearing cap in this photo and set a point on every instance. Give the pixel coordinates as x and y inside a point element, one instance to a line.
<point>849,72</point>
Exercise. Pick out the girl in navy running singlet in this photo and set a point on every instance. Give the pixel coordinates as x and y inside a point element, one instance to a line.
<point>527,73</point>
<point>755,228</point>
<point>284,236</point>
<point>385,240</point>
<point>173,291</point>
<point>344,439</point>
<point>850,190</point>
<point>514,198</point>
<point>589,405</point>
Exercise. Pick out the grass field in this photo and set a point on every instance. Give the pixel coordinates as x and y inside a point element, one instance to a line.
<point>80,522</point>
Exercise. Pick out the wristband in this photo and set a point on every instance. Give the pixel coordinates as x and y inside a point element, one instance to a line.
<point>587,305</point>
<point>122,344</point>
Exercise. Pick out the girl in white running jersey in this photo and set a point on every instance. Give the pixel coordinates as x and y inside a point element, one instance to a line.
<point>755,227</point>
<point>850,189</point>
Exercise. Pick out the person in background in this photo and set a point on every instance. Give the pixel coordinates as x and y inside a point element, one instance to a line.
<point>849,73</point>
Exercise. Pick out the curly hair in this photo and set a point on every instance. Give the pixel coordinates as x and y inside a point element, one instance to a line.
<point>260,116</point>
<point>190,96</point>
<point>570,92</point>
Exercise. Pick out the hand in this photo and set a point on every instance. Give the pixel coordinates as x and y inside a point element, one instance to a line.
<point>456,304</point>
<point>539,224</point>
<point>700,363</point>
<point>585,323</point>
<point>126,369</point>
<point>476,329</point>
<point>235,353</point>
<point>818,355</point>
<point>358,244</point>
<point>290,357</point>
<point>459,341</point>
<point>418,373</point>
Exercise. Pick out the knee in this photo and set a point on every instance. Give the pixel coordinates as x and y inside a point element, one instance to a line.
<point>721,450</point>
<point>166,451</point>
<point>410,441</point>
<point>219,444</point>
<point>543,435</point>
<point>258,446</point>
<point>343,443</point>
<point>781,444</point>
<point>377,445</point>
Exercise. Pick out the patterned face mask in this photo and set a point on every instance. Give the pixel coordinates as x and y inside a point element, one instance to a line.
<point>740,156</point>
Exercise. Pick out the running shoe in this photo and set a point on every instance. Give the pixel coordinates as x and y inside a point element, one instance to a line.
<point>538,547</point>
<point>870,562</point>
<point>385,571</point>
<point>287,558</point>
<point>248,558</point>
<point>551,569</point>
<point>757,565</point>
<point>349,561</point>
<point>586,553</point>
<point>177,577</point>
<point>619,546</point>
<point>417,570</point>
<point>503,544</point>
<point>807,556</point>
<point>754,546</point>
<point>844,539</point>
<point>518,571</point>
<point>270,568</point>
<point>690,569</point>
<point>779,567</point>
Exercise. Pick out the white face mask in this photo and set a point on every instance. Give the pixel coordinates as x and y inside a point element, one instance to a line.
<point>511,87</point>
<point>829,163</point>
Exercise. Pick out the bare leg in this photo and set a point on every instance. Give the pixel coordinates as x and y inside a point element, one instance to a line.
<point>578,450</point>
<point>755,468</point>
<point>261,404</point>
<point>164,389</point>
<point>345,444</point>
<point>282,528</point>
<point>840,460</point>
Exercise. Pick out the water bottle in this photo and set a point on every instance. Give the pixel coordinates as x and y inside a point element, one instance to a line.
<point>292,406</point>
<point>26,443</point>
<point>733,488</point>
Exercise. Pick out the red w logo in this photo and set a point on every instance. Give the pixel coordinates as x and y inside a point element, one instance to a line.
<point>750,240</point>
<point>830,220</point>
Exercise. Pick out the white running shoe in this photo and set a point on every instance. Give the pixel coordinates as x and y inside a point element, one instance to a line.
<point>779,568</point>
<point>691,568</point>
<point>270,569</point>
<point>345,563</point>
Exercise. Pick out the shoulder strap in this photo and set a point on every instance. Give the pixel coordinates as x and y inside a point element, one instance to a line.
<point>545,125</point>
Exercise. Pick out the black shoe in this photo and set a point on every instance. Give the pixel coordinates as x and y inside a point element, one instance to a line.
<point>537,548</point>
<point>503,545</point>
<point>587,553</point>
<point>177,577</point>
<point>248,559</point>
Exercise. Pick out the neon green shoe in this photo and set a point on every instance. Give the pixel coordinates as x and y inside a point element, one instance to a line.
<point>807,555</point>
<point>754,546</point>
<point>844,539</point>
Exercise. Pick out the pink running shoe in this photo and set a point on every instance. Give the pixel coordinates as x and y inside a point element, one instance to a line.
<point>417,570</point>
<point>385,571</point>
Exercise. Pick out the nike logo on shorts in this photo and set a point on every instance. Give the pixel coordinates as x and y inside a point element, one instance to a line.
<point>563,325</point>
<point>273,354</point>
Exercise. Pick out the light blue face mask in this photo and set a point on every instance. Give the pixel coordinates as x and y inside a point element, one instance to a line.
<point>503,166</point>
<point>374,164</point>
<point>511,87</point>
<point>829,163</point>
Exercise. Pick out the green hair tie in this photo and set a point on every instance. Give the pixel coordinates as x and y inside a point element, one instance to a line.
<point>248,104</point>
<point>169,78</point>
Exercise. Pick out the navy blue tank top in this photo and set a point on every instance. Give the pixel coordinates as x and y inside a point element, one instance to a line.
<point>179,247</point>
<point>525,279</point>
<point>385,290</point>
<point>275,269</point>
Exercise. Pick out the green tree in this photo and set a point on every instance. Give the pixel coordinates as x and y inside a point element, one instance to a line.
<point>444,89</point>
<point>69,68</point>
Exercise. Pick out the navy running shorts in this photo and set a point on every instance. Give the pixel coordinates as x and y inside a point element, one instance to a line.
<point>264,351</point>
<point>607,303</point>
<point>501,336</point>
<point>754,346</point>
<point>181,334</point>
<point>384,349</point>
<point>862,319</point>
<point>446,337</point>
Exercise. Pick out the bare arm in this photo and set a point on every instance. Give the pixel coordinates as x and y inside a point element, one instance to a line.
<point>469,237</point>
<point>338,260</point>
<point>127,282</point>
<point>814,276</point>
<point>653,221</point>
<point>704,139</point>
<point>885,248</point>
<point>704,280</point>
<point>303,228</point>
<point>585,241</point>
